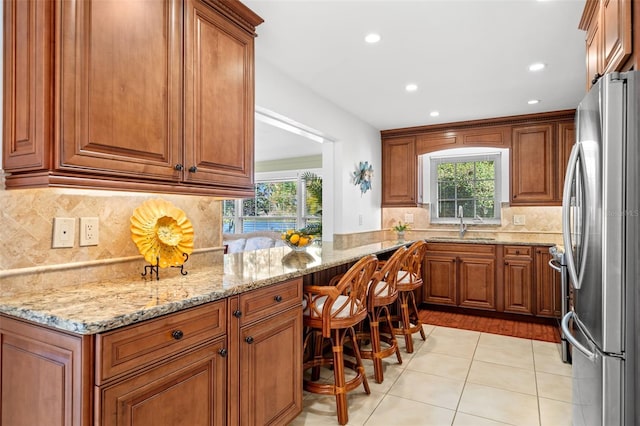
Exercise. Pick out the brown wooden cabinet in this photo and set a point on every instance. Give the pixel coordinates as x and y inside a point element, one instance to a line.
<point>566,140</point>
<point>138,104</point>
<point>518,279</point>
<point>266,334</point>
<point>44,376</point>
<point>539,160</point>
<point>547,284</point>
<point>460,275</point>
<point>440,278</point>
<point>532,166</point>
<point>539,145</point>
<point>189,390</point>
<point>608,24</point>
<point>168,370</point>
<point>236,361</point>
<point>399,172</point>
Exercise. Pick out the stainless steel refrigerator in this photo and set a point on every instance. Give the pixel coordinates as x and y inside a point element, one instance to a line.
<point>601,236</point>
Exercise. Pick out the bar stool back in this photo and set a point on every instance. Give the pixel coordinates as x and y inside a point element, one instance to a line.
<point>330,313</point>
<point>409,279</point>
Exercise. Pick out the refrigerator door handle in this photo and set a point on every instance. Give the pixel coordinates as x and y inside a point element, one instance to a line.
<point>572,340</point>
<point>566,213</point>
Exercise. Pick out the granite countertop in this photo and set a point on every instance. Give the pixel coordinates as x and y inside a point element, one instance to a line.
<point>99,307</point>
<point>95,308</point>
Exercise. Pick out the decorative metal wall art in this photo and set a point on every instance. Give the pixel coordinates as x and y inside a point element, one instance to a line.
<point>362,176</point>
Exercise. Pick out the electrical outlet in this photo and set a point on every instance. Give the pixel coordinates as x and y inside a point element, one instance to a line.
<point>518,219</point>
<point>89,231</point>
<point>64,232</point>
<point>408,217</point>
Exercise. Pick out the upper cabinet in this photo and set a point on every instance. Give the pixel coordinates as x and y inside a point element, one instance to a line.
<point>540,145</point>
<point>399,172</point>
<point>608,24</point>
<point>153,96</point>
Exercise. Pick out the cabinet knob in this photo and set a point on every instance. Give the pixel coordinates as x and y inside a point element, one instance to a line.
<point>179,167</point>
<point>249,339</point>
<point>177,334</point>
<point>515,196</point>
<point>193,169</point>
<point>223,352</point>
<point>278,298</point>
<point>453,260</point>
<point>517,251</point>
<point>506,263</point>
<point>237,313</point>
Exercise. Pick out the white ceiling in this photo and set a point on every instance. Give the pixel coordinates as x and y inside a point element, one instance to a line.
<point>469,58</point>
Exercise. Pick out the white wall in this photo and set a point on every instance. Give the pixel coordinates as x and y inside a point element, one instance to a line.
<point>345,210</point>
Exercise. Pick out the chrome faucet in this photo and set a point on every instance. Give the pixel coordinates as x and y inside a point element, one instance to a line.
<point>463,226</point>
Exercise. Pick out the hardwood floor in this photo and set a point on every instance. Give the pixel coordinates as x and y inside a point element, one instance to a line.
<point>505,327</point>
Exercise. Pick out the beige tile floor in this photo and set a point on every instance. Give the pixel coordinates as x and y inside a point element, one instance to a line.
<point>458,377</point>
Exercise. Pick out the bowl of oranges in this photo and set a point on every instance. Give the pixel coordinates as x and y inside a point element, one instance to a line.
<point>297,240</point>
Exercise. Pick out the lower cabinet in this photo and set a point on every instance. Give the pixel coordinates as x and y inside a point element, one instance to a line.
<point>236,361</point>
<point>44,376</point>
<point>460,275</point>
<point>190,390</point>
<point>547,281</point>
<point>518,280</point>
<point>504,278</point>
<point>266,329</point>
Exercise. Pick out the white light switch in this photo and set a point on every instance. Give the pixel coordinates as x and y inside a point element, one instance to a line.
<point>64,232</point>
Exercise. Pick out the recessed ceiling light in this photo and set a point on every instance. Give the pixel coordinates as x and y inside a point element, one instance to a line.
<point>434,113</point>
<point>533,101</point>
<point>372,38</point>
<point>411,87</point>
<point>537,66</point>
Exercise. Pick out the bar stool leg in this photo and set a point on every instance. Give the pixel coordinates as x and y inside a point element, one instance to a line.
<point>418,322</point>
<point>394,341</point>
<point>338,374</point>
<point>406,321</point>
<point>375,346</point>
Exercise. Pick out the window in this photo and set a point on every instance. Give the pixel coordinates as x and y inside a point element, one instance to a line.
<point>279,204</point>
<point>471,183</point>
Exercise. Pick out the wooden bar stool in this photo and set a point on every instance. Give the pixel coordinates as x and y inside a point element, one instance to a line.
<point>381,293</point>
<point>409,279</point>
<point>330,313</point>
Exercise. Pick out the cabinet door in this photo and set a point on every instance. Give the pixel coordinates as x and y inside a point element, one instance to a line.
<point>27,84</point>
<point>120,88</point>
<point>517,286</point>
<point>45,376</point>
<point>219,105</point>
<point>566,140</point>
<point>616,33</point>
<point>189,391</point>
<point>477,283</point>
<point>440,279</point>
<point>593,51</point>
<point>271,369</point>
<point>532,172</point>
<point>399,172</point>
<point>547,281</point>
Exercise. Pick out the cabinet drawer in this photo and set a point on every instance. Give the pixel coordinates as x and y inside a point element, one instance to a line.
<point>476,249</point>
<point>263,302</point>
<point>517,251</point>
<point>136,346</point>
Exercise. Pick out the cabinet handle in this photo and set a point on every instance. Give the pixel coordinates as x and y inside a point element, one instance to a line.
<point>237,313</point>
<point>517,251</point>
<point>278,298</point>
<point>249,339</point>
<point>179,167</point>
<point>193,169</point>
<point>177,334</point>
<point>223,352</point>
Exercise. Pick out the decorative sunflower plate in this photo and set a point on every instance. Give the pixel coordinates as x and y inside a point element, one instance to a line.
<point>162,233</point>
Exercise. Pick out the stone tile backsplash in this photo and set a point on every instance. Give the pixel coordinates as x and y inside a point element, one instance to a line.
<point>26,229</point>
